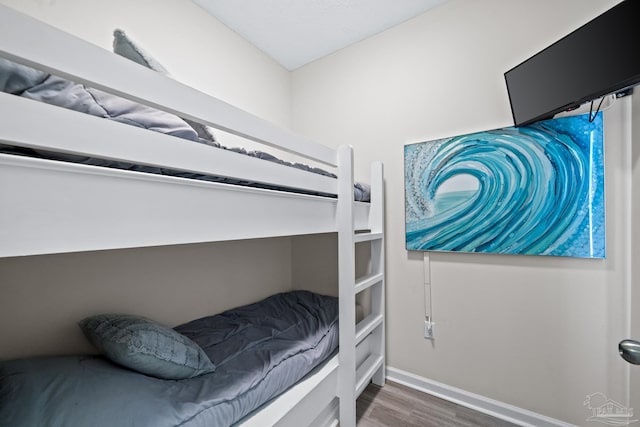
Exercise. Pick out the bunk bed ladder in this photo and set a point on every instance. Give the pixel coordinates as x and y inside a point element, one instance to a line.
<point>358,368</point>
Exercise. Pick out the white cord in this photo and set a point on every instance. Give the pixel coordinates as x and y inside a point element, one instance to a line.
<point>428,313</point>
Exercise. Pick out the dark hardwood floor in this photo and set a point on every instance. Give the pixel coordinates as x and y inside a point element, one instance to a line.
<point>395,405</point>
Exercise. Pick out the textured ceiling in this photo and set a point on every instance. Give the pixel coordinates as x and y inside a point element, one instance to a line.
<point>296,32</point>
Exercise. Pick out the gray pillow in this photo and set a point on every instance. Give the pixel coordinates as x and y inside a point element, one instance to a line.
<point>146,346</point>
<point>16,78</point>
<point>124,46</point>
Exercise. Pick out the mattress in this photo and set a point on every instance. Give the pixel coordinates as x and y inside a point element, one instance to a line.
<point>361,191</point>
<point>260,350</point>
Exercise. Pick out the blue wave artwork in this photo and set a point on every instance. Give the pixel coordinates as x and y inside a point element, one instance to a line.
<point>536,190</point>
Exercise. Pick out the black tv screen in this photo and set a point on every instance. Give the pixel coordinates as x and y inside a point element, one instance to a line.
<point>599,58</point>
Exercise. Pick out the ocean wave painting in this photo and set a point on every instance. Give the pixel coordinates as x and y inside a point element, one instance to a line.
<point>535,190</point>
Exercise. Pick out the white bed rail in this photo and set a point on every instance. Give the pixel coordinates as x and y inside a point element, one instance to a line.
<point>30,42</point>
<point>66,131</point>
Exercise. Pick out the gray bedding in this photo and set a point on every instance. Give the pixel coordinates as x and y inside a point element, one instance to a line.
<point>259,350</point>
<point>40,86</point>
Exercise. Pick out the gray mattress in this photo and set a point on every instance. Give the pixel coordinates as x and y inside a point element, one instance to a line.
<point>259,350</point>
<point>361,192</point>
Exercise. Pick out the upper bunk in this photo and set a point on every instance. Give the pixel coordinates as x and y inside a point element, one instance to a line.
<point>53,206</point>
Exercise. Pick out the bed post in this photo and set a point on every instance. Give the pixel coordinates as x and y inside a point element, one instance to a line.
<point>354,371</point>
<point>376,224</point>
<point>346,284</point>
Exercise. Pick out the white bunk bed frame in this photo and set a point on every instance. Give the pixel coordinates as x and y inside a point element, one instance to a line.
<point>54,207</point>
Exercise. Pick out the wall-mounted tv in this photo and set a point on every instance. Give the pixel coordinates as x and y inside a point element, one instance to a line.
<point>599,58</point>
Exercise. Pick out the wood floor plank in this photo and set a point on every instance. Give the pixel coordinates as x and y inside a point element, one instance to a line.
<point>396,405</point>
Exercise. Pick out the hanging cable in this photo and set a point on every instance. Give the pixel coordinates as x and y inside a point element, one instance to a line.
<point>592,116</point>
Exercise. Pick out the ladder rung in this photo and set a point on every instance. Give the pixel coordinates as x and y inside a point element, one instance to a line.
<point>366,371</point>
<point>366,237</point>
<point>368,281</point>
<point>367,325</point>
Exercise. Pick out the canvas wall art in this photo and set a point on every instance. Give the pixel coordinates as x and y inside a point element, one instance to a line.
<point>534,190</point>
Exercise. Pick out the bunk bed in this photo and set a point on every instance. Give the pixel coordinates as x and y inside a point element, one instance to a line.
<point>52,205</point>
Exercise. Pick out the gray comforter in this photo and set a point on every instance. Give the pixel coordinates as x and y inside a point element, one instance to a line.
<point>259,351</point>
<point>40,86</point>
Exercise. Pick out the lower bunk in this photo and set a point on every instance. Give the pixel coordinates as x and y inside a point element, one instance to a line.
<point>269,363</point>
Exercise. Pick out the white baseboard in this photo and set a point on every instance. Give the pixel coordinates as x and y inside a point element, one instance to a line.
<point>474,401</point>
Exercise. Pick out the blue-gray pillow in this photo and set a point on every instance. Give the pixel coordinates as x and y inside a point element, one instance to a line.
<point>146,346</point>
<point>16,78</point>
<point>124,46</point>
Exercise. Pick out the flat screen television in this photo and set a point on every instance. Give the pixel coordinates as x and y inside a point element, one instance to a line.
<point>599,58</point>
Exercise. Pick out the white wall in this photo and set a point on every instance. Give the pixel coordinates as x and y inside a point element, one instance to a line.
<point>540,333</point>
<point>42,298</point>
